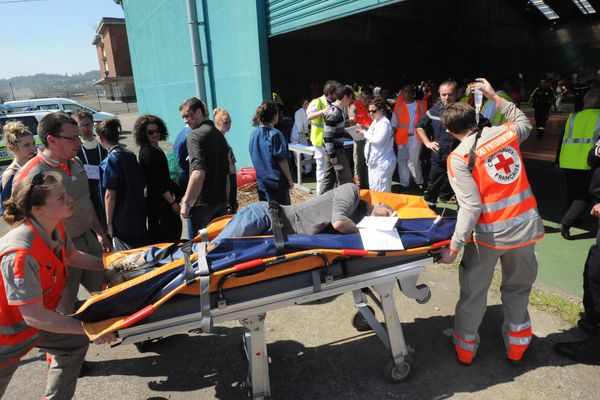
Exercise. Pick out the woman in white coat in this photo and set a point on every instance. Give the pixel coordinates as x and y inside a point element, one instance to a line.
<point>379,149</point>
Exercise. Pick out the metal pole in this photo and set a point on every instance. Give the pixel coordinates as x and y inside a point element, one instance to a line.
<point>11,90</point>
<point>196,52</point>
<point>99,105</point>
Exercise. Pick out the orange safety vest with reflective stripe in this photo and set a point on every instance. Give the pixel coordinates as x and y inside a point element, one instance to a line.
<point>506,197</point>
<point>13,329</point>
<point>403,120</point>
<point>361,115</point>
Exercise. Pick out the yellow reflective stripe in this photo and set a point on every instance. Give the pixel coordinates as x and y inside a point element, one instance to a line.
<point>509,223</point>
<point>597,130</point>
<point>570,139</point>
<point>571,125</point>
<point>509,201</point>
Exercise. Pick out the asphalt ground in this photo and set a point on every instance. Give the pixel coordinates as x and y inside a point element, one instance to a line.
<point>316,353</point>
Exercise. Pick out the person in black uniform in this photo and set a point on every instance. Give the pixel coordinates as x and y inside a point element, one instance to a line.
<point>588,350</point>
<point>436,138</point>
<point>162,197</point>
<point>542,100</point>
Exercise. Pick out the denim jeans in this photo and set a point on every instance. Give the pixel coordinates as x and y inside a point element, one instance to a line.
<point>200,216</point>
<point>253,220</point>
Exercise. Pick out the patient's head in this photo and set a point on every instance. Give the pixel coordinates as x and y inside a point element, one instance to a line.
<point>381,210</point>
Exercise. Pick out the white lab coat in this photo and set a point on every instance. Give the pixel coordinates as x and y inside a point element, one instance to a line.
<point>379,154</point>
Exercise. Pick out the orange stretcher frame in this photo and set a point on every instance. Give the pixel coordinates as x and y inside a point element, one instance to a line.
<point>406,207</point>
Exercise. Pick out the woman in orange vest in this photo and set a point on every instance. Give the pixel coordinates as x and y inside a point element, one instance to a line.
<point>32,261</point>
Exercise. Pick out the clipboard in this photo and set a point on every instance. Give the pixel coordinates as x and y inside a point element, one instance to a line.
<point>352,131</point>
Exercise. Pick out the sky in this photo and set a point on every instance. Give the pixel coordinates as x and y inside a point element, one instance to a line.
<point>50,36</point>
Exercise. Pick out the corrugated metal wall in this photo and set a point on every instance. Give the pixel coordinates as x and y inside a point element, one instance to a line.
<point>288,15</point>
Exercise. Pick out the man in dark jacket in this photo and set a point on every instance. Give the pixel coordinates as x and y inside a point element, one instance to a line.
<point>208,187</point>
<point>588,350</point>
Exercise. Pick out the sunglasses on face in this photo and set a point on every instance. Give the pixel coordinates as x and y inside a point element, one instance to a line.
<point>373,111</point>
<point>152,131</point>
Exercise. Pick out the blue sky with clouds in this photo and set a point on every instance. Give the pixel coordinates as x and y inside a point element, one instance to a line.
<point>50,36</point>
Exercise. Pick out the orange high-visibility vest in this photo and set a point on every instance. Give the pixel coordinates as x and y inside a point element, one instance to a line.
<point>13,329</point>
<point>506,196</point>
<point>362,114</point>
<point>403,120</point>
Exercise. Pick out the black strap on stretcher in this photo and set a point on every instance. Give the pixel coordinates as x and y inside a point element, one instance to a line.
<point>277,223</point>
<point>471,164</point>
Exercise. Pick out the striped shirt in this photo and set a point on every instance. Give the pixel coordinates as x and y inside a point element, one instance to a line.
<point>334,131</point>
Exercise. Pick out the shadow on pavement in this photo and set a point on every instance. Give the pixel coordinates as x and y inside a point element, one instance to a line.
<point>348,369</point>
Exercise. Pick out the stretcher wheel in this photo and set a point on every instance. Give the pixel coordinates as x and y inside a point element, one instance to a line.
<point>426,298</point>
<point>360,323</point>
<point>396,374</point>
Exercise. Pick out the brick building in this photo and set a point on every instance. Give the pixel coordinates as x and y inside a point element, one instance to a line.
<point>116,76</point>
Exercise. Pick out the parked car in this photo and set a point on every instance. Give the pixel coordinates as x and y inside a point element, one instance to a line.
<point>30,120</point>
<point>55,104</point>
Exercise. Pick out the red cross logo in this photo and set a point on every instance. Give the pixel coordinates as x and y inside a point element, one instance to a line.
<point>504,163</point>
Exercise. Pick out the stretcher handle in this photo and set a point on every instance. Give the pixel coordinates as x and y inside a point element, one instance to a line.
<point>439,245</point>
<point>248,264</point>
<point>354,253</point>
<point>143,313</point>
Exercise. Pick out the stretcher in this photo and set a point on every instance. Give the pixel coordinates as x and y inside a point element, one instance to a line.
<point>197,285</point>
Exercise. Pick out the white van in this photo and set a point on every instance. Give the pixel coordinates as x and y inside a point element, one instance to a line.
<point>55,104</point>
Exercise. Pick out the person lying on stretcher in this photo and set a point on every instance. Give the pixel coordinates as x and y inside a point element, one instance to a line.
<point>337,211</point>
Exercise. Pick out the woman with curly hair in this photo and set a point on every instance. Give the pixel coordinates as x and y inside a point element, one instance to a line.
<point>162,199</point>
<point>21,143</point>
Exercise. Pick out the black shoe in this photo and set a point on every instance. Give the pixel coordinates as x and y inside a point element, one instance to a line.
<point>564,231</point>
<point>514,363</point>
<point>421,187</point>
<point>588,325</point>
<point>586,351</point>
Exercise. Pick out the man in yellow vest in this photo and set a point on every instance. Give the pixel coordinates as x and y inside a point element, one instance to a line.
<point>489,109</point>
<point>497,220</point>
<point>582,131</point>
<point>316,112</point>
<point>587,350</point>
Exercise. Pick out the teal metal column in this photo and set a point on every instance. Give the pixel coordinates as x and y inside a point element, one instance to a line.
<point>233,41</point>
<point>236,50</point>
<point>161,58</point>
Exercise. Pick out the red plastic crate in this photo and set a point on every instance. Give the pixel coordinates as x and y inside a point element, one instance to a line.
<point>246,176</point>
